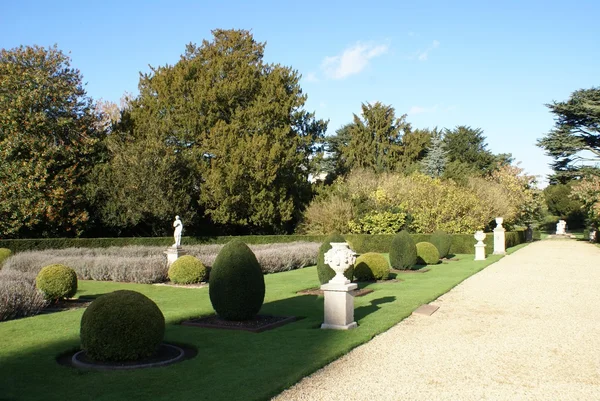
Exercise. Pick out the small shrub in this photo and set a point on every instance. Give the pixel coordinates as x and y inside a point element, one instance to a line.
<point>187,270</point>
<point>442,242</point>
<point>371,266</point>
<point>18,295</point>
<point>121,326</point>
<point>236,283</point>
<point>325,272</point>
<point>403,251</point>
<point>4,254</point>
<point>427,254</point>
<point>57,282</point>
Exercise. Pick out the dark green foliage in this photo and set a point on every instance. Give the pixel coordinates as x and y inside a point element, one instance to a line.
<point>371,266</point>
<point>57,282</point>
<point>403,252</point>
<point>427,254</point>
<point>576,129</point>
<point>236,283</point>
<point>325,272</point>
<point>187,270</point>
<point>561,204</point>
<point>4,254</point>
<point>442,241</point>
<point>121,326</point>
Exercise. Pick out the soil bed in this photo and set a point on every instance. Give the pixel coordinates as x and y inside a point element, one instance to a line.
<point>421,270</point>
<point>256,325</point>
<point>67,304</point>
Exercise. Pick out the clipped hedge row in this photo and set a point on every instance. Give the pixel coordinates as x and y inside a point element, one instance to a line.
<point>361,243</point>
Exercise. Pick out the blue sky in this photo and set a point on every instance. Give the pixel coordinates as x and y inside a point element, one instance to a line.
<point>444,63</point>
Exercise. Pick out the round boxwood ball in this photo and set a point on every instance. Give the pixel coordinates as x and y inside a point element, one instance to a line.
<point>403,251</point>
<point>4,254</point>
<point>371,266</point>
<point>427,254</point>
<point>325,272</point>
<point>121,326</point>
<point>57,282</point>
<point>442,241</point>
<point>187,270</point>
<point>236,283</point>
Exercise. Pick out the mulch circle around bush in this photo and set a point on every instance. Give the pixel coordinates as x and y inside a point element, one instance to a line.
<point>67,304</point>
<point>256,325</point>
<point>421,270</point>
<point>167,354</point>
<point>171,284</point>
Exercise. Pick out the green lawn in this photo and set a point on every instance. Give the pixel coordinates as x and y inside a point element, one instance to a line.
<point>230,365</point>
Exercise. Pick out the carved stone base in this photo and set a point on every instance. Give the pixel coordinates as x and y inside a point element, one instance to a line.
<point>339,306</point>
<point>173,253</point>
<point>480,252</point>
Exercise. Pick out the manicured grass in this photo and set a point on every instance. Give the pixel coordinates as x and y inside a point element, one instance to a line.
<point>231,365</point>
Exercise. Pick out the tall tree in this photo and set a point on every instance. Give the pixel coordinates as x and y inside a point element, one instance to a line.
<point>575,138</point>
<point>375,141</point>
<point>436,159</point>
<point>235,128</point>
<point>47,143</point>
<point>414,148</point>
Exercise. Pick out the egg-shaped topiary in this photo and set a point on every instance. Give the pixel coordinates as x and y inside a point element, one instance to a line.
<point>403,251</point>
<point>121,326</point>
<point>236,283</point>
<point>4,254</point>
<point>57,282</point>
<point>371,266</point>
<point>427,254</point>
<point>442,241</point>
<point>325,272</point>
<point>187,270</point>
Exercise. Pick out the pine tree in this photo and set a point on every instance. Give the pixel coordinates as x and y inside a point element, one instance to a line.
<point>436,159</point>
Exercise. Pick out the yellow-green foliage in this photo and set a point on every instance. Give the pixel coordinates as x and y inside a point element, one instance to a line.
<point>57,282</point>
<point>427,254</point>
<point>371,266</point>
<point>378,223</point>
<point>4,254</point>
<point>187,270</point>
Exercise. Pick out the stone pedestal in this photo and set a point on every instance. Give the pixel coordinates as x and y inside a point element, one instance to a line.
<point>480,246</point>
<point>561,227</point>
<point>339,306</point>
<point>529,234</point>
<point>499,238</point>
<point>173,253</point>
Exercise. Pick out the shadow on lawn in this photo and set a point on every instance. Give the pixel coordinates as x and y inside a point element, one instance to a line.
<point>362,311</point>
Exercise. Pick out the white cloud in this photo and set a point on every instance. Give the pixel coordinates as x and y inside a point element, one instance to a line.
<point>352,61</point>
<point>311,77</point>
<point>424,55</point>
<point>420,110</point>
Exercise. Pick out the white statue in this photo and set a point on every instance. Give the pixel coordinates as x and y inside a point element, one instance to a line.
<point>178,229</point>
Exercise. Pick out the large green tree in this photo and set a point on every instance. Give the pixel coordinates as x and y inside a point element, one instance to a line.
<point>575,139</point>
<point>374,141</point>
<point>48,134</point>
<point>232,128</point>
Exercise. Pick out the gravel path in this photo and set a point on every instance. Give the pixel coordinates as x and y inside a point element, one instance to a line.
<point>525,328</point>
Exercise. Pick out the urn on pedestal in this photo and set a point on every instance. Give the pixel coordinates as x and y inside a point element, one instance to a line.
<point>339,303</point>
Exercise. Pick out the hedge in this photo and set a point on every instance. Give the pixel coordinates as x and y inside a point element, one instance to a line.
<point>361,243</point>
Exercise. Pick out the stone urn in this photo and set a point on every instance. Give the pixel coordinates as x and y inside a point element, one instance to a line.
<point>480,235</point>
<point>340,257</point>
<point>499,221</point>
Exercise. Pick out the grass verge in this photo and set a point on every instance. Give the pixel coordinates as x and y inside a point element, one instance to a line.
<point>231,365</point>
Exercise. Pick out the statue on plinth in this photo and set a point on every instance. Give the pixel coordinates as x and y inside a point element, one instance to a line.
<point>178,225</point>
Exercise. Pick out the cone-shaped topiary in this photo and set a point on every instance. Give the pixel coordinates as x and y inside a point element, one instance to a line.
<point>57,282</point>
<point>442,242</point>
<point>187,270</point>
<point>427,254</point>
<point>121,326</point>
<point>403,251</point>
<point>371,266</point>
<point>325,272</point>
<point>236,283</point>
<point>4,254</point>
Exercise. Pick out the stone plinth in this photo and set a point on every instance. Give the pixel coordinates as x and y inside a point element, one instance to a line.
<point>480,246</point>
<point>173,253</point>
<point>561,227</point>
<point>339,306</point>
<point>499,238</point>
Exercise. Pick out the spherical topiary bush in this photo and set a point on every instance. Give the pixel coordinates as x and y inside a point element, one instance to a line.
<point>325,272</point>
<point>121,326</point>
<point>236,283</point>
<point>371,266</point>
<point>442,241</point>
<point>57,282</point>
<point>4,254</point>
<point>187,270</point>
<point>403,251</point>
<point>427,254</point>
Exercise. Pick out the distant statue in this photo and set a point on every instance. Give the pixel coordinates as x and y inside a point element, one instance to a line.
<point>178,225</point>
